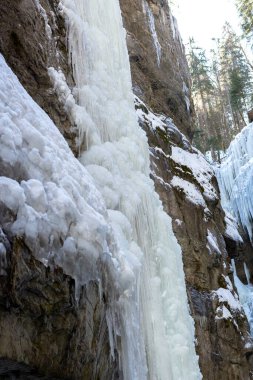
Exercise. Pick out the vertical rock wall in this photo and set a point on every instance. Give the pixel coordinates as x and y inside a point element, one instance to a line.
<point>164,85</point>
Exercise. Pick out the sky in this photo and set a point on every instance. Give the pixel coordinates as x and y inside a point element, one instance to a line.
<point>203,19</point>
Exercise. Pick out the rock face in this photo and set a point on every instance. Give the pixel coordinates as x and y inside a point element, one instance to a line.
<point>159,69</point>
<point>40,322</point>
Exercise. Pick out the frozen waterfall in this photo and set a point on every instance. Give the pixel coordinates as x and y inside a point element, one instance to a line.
<point>157,332</point>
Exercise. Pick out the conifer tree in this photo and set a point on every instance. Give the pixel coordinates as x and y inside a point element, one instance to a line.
<point>222,91</point>
<point>207,134</point>
<point>236,75</point>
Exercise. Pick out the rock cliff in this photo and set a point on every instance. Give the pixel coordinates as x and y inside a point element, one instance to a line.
<point>158,64</point>
<point>41,324</point>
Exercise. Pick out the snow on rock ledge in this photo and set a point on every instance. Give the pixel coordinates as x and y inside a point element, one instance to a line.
<point>195,175</point>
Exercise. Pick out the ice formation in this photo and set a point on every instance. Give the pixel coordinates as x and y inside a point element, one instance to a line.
<point>52,198</point>
<point>152,28</point>
<point>246,297</point>
<point>235,177</point>
<point>157,332</point>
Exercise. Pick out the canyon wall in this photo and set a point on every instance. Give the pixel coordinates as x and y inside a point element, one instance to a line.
<point>41,324</point>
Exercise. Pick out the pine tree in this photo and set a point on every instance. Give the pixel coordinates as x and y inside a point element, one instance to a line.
<point>222,91</point>
<point>236,75</point>
<point>208,110</point>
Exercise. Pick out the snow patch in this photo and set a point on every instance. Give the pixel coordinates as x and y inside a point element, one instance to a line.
<point>190,191</point>
<point>226,296</point>
<point>200,168</point>
<point>232,228</point>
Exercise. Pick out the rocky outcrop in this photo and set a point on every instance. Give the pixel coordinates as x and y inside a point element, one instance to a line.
<point>44,325</point>
<point>188,189</point>
<point>158,64</point>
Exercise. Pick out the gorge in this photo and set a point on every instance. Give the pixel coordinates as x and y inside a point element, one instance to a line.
<point>115,251</point>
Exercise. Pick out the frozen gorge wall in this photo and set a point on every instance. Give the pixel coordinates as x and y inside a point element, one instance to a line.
<point>44,317</point>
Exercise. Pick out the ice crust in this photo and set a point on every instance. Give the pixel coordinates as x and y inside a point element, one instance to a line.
<point>246,297</point>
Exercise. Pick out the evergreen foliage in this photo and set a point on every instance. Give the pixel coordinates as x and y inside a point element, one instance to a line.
<point>222,91</point>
